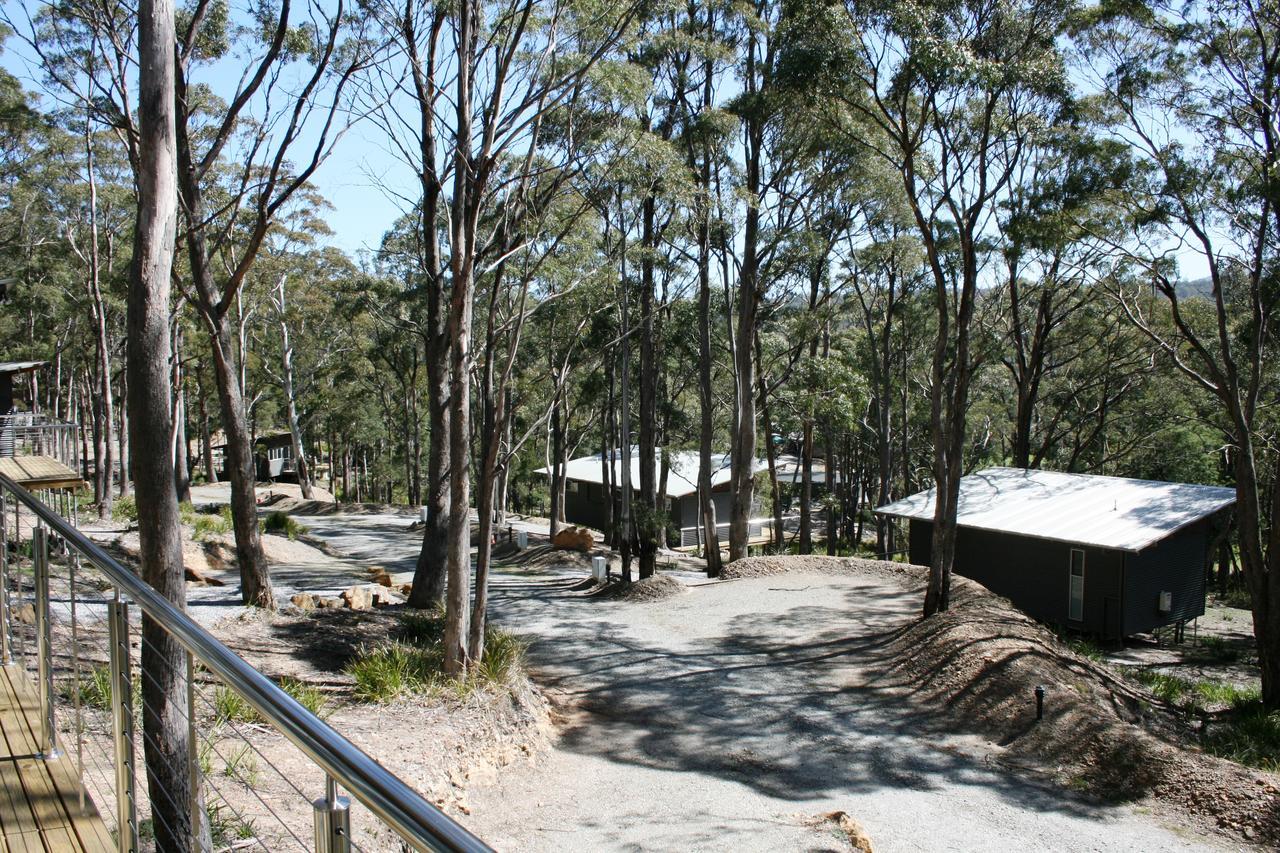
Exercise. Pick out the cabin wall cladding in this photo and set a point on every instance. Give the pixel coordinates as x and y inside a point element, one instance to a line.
<point>1175,565</point>
<point>1035,575</point>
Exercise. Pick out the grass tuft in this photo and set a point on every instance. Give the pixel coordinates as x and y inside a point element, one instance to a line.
<point>308,695</point>
<point>413,662</point>
<point>283,524</point>
<point>230,706</point>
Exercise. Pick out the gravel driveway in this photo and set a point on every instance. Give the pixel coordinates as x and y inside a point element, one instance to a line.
<point>731,716</point>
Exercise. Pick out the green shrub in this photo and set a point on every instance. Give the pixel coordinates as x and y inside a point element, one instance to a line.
<point>1220,649</point>
<point>283,524</point>
<point>124,509</point>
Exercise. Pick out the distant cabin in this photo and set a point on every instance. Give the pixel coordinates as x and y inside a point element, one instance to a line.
<point>1105,555</point>
<point>586,497</point>
<point>272,458</point>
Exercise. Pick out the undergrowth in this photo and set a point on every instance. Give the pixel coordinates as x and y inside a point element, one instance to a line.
<point>1236,726</point>
<point>412,663</point>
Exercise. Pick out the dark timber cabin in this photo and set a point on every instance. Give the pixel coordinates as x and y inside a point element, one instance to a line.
<point>1104,555</point>
<point>586,495</point>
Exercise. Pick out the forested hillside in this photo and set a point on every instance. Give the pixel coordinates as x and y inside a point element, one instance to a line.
<point>904,240</point>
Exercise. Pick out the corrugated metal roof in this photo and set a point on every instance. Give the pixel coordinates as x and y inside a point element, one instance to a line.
<point>682,478</point>
<point>1105,512</point>
<point>20,366</point>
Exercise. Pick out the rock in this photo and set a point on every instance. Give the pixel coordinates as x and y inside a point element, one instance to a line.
<point>328,603</point>
<point>574,539</point>
<point>195,576</point>
<point>304,601</point>
<point>358,598</point>
<point>849,825</point>
<point>25,613</point>
<point>406,589</point>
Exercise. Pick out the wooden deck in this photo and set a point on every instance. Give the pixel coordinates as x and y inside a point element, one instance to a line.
<point>39,800</point>
<point>39,472</point>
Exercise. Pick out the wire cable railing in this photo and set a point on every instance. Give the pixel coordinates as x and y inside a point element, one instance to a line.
<point>65,608</point>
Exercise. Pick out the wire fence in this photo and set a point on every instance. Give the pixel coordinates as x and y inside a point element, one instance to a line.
<point>261,771</point>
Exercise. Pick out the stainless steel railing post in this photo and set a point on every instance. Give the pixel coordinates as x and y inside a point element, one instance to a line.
<point>333,820</point>
<point>6,636</point>
<point>122,725</point>
<point>44,645</point>
<point>200,837</point>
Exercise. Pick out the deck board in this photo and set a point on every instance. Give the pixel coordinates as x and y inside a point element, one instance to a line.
<point>39,799</point>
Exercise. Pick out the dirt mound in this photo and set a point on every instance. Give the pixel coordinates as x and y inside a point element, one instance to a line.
<point>979,663</point>
<point>759,567</point>
<point>653,588</point>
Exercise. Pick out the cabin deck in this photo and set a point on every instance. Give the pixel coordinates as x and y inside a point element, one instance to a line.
<point>39,799</point>
<point>39,472</point>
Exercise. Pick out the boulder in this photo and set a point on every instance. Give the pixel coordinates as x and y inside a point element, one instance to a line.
<point>328,603</point>
<point>406,589</point>
<point>358,597</point>
<point>304,601</point>
<point>574,539</point>
<point>380,576</point>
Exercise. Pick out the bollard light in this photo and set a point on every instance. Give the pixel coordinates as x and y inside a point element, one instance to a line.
<point>1039,701</point>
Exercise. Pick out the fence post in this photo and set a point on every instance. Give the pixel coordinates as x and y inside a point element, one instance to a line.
<point>44,645</point>
<point>332,820</point>
<point>122,725</point>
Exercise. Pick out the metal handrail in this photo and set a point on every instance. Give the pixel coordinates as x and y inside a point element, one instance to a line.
<point>382,792</point>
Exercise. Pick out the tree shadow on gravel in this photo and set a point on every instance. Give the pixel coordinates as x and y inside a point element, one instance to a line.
<point>794,703</point>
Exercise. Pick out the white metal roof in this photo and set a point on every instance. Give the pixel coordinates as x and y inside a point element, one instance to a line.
<point>682,478</point>
<point>1088,509</point>
<point>20,366</point>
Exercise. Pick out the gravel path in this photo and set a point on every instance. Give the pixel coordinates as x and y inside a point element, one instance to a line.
<point>728,717</point>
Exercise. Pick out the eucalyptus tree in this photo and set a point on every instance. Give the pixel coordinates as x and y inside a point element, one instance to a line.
<point>164,690</point>
<point>954,95</point>
<point>1194,92</point>
<point>236,159</point>
<point>474,142</point>
<point>235,179</point>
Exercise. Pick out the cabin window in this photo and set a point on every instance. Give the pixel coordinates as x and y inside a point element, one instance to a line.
<point>1076,589</point>
<point>571,487</point>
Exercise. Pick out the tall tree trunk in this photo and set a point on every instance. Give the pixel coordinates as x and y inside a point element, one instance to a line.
<point>431,570</point>
<point>255,580</point>
<point>103,451</point>
<point>744,439</point>
<point>806,488</point>
<point>290,397</point>
<point>647,518</point>
<point>126,474</point>
<point>164,688</point>
<point>706,393</point>
<point>556,514</point>
<point>178,443</point>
